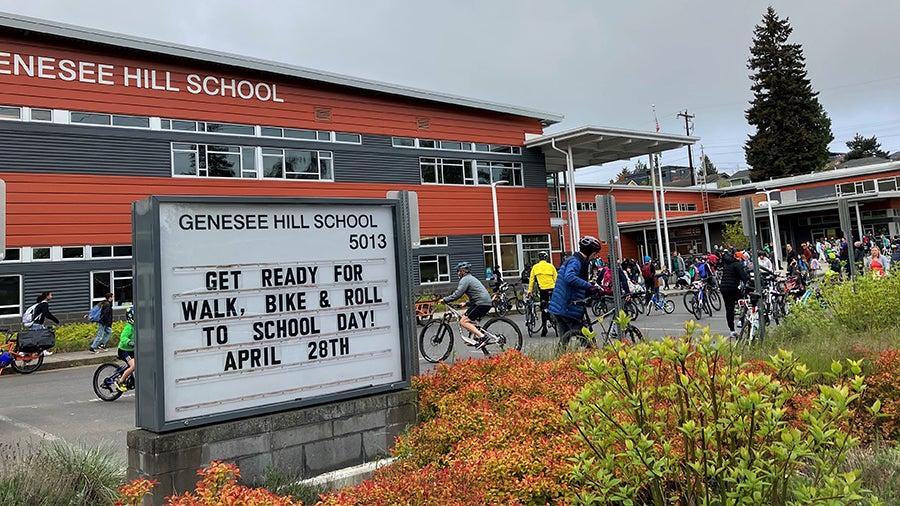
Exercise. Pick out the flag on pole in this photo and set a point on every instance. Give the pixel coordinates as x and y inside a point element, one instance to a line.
<point>655,120</point>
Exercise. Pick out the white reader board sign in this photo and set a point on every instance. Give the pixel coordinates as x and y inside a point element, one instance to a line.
<point>263,304</point>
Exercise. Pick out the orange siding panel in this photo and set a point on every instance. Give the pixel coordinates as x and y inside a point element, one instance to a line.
<point>353,110</point>
<point>66,209</point>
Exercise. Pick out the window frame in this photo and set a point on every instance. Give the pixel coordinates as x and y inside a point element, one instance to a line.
<point>19,306</point>
<point>119,301</point>
<point>436,259</point>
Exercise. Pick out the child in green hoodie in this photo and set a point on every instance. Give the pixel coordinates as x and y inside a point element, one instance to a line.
<point>126,348</point>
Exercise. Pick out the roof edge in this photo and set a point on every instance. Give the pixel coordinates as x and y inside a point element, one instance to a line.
<point>233,60</point>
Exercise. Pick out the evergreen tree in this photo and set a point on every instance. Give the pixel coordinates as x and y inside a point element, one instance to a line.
<point>622,175</point>
<point>792,129</point>
<point>861,147</point>
<point>706,168</point>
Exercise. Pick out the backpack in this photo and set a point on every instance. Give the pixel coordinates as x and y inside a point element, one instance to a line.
<point>94,315</point>
<point>703,270</point>
<point>647,270</point>
<point>28,317</point>
<point>605,277</point>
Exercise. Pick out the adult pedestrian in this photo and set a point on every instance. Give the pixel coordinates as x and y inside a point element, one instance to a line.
<point>104,326</point>
<point>571,285</point>
<point>42,314</point>
<point>733,274</point>
<point>545,274</point>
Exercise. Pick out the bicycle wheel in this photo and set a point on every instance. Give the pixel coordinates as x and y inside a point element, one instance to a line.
<point>507,333</point>
<point>632,309</point>
<point>715,300</point>
<point>694,306</point>
<point>706,306</point>
<point>105,382</point>
<point>651,305</point>
<point>500,307</point>
<point>531,321</point>
<point>436,341</point>
<point>520,305</point>
<point>669,306</point>
<point>633,335</point>
<point>423,320</point>
<point>686,300</point>
<point>599,306</point>
<point>575,341</point>
<point>27,363</point>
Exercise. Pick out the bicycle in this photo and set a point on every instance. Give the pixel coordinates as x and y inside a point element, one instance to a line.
<point>505,302</point>
<point>533,317</point>
<point>23,362</point>
<point>660,302</point>
<point>437,338</point>
<point>749,320</point>
<point>105,377</point>
<point>586,336</point>
<point>631,308</point>
<point>696,300</point>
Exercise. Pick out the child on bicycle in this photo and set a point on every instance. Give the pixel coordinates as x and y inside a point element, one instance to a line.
<point>126,348</point>
<point>479,302</point>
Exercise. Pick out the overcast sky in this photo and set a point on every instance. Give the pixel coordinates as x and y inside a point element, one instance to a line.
<point>598,63</point>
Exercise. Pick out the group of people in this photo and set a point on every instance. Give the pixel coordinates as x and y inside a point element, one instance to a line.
<point>41,314</point>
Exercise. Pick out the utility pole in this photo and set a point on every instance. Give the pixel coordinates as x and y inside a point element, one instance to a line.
<point>687,131</point>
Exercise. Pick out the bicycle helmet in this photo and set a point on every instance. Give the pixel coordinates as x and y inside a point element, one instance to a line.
<point>129,315</point>
<point>589,245</point>
<point>647,259</point>
<point>543,255</point>
<point>464,266</point>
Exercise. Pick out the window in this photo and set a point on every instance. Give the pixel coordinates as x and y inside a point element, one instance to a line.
<point>118,282</point>
<point>488,172</point>
<point>297,164</point>
<point>515,251</point>
<point>434,269</point>
<point>40,253</point>
<point>586,206</point>
<point>675,206</point>
<point>347,138</point>
<point>412,142</point>
<point>174,124</point>
<point>10,295</point>
<point>430,242</point>
<point>403,142</point>
<point>230,128</point>
<point>13,255</point>
<point>72,252</point>
<point>119,251</point>
<point>446,171</point>
<point>89,118</point>
<point>7,112</point>
<point>213,160</point>
<point>131,121</point>
<point>41,115</point>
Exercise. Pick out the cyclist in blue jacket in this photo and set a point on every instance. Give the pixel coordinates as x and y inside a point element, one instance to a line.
<point>571,285</point>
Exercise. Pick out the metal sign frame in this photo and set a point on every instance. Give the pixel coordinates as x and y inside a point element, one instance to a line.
<point>155,336</point>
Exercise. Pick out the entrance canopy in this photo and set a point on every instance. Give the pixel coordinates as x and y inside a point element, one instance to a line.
<point>591,146</point>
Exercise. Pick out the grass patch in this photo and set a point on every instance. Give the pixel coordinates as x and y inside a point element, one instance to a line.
<point>56,473</point>
<point>880,466</point>
<point>286,485</point>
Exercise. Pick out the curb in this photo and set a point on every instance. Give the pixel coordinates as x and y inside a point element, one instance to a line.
<point>66,360</point>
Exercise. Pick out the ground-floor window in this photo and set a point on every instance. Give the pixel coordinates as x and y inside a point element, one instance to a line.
<point>434,269</point>
<point>10,295</point>
<point>118,282</point>
<point>515,251</point>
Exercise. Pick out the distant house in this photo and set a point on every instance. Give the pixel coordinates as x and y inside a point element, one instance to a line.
<point>672,175</point>
<point>740,177</point>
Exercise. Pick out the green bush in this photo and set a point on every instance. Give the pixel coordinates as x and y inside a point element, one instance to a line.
<point>865,304</point>
<point>53,472</point>
<point>676,422</point>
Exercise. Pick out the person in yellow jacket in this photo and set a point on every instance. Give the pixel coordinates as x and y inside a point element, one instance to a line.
<point>545,274</point>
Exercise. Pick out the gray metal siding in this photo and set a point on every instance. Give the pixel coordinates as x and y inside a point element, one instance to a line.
<point>52,148</point>
<point>460,248</point>
<point>70,281</point>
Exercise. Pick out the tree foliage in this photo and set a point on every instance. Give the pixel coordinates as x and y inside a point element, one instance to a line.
<point>792,129</point>
<point>706,167</point>
<point>862,147</point>
<point>733,235</point>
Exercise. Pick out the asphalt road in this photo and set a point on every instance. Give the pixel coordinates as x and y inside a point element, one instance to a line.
<point>60,404</point>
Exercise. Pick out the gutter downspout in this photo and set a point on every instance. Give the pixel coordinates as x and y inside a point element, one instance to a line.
<point>571,204</point>
<point>662,201</point>
<point>659,241</point>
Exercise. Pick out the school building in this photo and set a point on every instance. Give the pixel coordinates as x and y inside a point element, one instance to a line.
<point>93,121</point>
